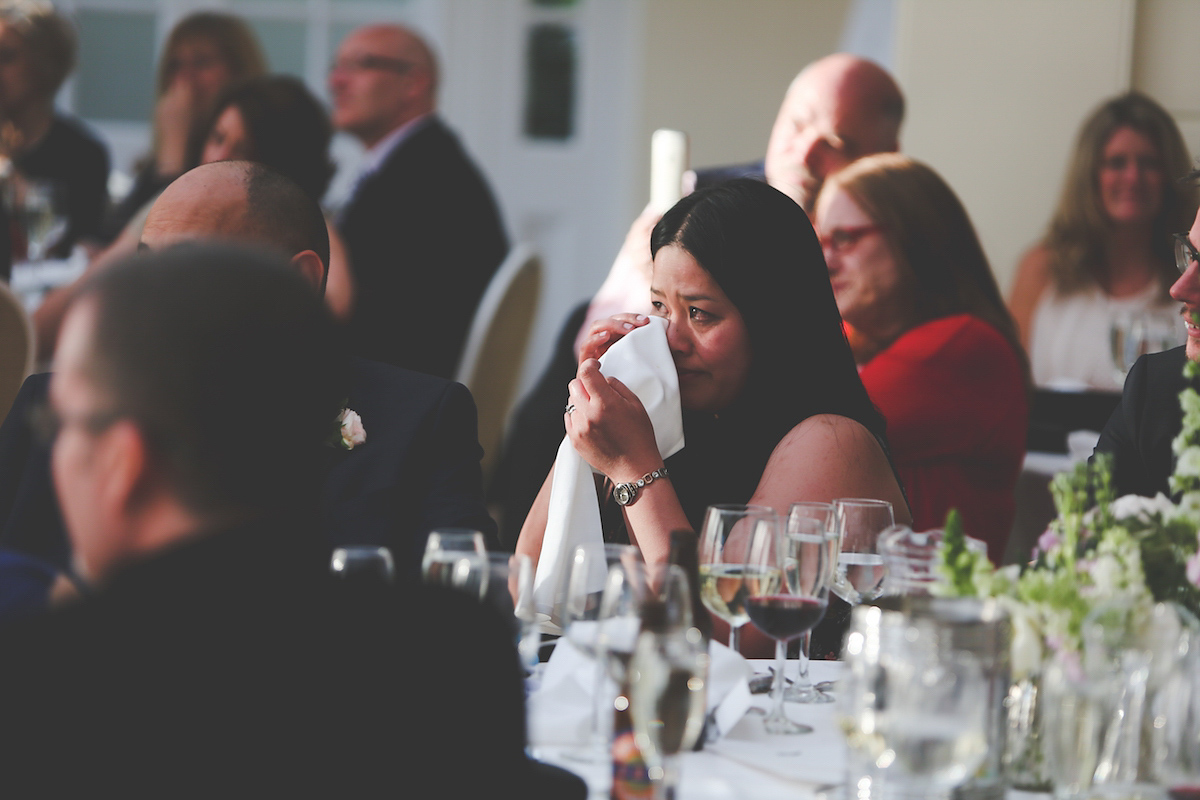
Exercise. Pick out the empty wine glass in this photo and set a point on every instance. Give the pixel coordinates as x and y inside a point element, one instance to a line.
<point>787,591</point>
<point>1136,334</point>
<point>669,671</point>
<point>510,589</point>
<point>456,557</point>
<point>803,691</point>
<point>363,563</point>
<point>860,567</point>
<point>597,571</point>
<point>723,548</point>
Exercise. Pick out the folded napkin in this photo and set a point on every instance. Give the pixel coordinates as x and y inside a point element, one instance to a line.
<point>560,709</point>
<point>642,361</point>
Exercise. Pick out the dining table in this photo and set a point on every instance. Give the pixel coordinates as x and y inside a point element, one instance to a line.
<point>746,763</point>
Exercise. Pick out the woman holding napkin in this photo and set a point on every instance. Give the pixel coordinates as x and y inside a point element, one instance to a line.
<point>773,409</point>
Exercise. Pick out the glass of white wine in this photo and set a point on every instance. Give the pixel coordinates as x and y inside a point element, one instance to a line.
<point>860,567</point>
<point>456,557</point>
<point>668,675</point>
<point>724,545</point>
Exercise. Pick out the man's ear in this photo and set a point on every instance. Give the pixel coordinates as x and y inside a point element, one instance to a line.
<point>125,462</point>
<point>312,268</point>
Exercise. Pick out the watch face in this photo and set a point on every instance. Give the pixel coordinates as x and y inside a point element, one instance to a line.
<point>623,493</point>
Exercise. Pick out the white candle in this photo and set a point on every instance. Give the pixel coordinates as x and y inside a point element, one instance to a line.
<point>668,160</point>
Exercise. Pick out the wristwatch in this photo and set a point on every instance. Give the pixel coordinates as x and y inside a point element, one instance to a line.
<point>626,493</point>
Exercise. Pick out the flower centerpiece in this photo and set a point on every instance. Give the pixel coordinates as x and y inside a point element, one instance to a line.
<point>1101,553</point>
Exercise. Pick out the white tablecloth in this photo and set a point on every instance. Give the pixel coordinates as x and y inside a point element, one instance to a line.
<point>748,764</point>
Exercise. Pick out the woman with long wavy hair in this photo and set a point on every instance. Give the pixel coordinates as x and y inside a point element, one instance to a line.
<point>1108,250</point>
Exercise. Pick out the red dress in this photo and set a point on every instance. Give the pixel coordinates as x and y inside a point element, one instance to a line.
<point>954,396</point>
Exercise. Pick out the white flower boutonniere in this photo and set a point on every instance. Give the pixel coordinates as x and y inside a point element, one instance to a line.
<point>350,432</point>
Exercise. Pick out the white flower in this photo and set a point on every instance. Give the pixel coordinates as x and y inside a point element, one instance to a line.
<point>1189,462</point>
<point>1132,505</point>
<point>1027,652</point>
<point>353,432</point>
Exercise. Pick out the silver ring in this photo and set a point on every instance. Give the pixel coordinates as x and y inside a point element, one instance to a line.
<point>570,408</point>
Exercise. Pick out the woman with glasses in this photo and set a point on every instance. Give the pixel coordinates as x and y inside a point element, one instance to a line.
<point>936,348</point>
<point>1107,254</point>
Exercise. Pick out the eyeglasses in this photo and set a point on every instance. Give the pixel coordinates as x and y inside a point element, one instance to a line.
<point>839,240</point>
<point>369,62</point>
<point>46,422</point>
<point>1185,254</point>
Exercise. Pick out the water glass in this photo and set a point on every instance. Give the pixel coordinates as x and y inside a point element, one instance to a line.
<point>860,568</point>
<point>911,558</point>
<point>361,563</point>
<point>510,590</point>
<point>456,557</point>
<point>818,519</point>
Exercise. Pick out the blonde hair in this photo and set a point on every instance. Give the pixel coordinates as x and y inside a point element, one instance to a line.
<point>931,238</point>
<point>1078,237</point>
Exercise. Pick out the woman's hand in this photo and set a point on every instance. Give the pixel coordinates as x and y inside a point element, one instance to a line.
<point>609,426</point>
<point>605,332</point>
<point>174,117</point>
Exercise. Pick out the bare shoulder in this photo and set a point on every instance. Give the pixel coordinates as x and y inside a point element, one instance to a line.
<point>1032,278</point>
<point>825,457</point>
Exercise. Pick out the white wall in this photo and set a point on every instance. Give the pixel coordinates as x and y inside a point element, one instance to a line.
<point>996,92</point>
<point>718,71</point>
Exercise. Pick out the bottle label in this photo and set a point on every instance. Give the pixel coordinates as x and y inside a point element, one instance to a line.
<point>631,781</point>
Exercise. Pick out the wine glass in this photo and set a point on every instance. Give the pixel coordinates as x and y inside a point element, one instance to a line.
<point>668,672</point>
<point>723,548</point>
<point>787,591</point>
<point>799,515</point>
<point>1136,334</point>
<point>803,691</point>
<point>860,567</point>
<point>363,563</point>
<point>456,557</point>
<point>34,207</point>
<point>510,589</point>
<point>590,577</point>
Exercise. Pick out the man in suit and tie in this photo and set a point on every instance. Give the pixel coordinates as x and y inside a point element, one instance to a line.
<point>1140,431</point>
<point>422,229</point>
<point>419,466</point>
<point>193,392</point>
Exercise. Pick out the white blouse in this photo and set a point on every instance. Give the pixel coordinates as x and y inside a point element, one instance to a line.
<point>1072,342</point>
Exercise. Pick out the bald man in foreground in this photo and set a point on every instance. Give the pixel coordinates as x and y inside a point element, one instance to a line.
<point>422,228</point>
<point>418,467</point>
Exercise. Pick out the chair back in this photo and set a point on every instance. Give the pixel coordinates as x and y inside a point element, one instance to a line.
<point>16,347</point>
<point>495,350</point>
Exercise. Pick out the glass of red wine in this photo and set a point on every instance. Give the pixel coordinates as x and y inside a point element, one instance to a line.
<point>787,591</point>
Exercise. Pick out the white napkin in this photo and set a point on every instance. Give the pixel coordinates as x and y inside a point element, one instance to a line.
<point>642,361</point>
<point>560,710</point>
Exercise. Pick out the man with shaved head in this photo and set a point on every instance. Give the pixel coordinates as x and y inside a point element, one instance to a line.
<point>418,468</point>
<point>422,229</point>
<point>837,110</point>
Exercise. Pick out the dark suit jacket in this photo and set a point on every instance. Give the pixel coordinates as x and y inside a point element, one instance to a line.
<point>232,664</point>
<point>1140,431</point>
<point>418,470</point>
<point>424,237</point>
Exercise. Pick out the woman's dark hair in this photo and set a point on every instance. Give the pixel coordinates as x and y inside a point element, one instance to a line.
<point>289,131</point>
<point>760,248</point>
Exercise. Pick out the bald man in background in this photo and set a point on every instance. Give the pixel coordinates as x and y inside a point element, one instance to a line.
<point>422,228</point>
